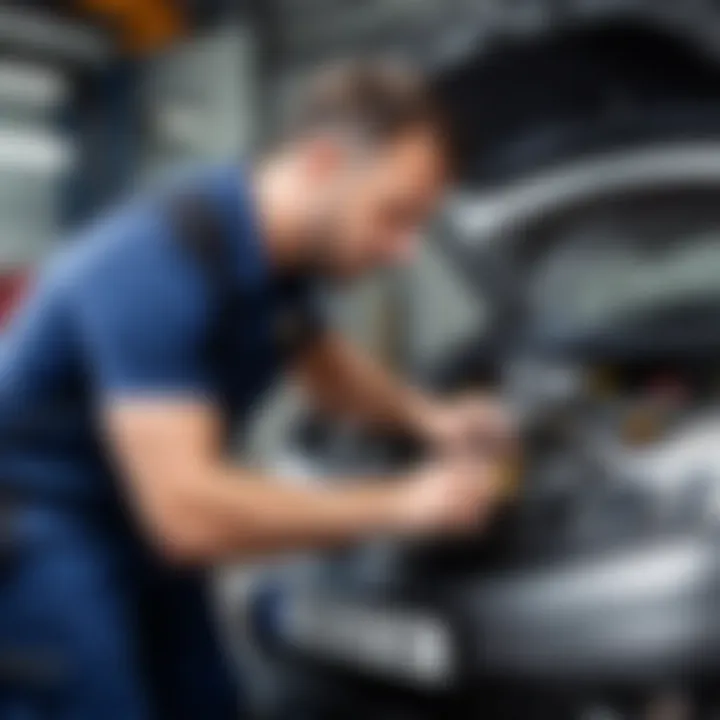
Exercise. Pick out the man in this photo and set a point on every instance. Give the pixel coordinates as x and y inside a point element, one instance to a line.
<point>113,408</point>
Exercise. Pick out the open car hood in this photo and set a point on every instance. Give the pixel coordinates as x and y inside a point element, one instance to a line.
<point>497,242</point>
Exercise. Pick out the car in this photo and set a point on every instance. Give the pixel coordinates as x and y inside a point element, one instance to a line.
<point>591,238</point>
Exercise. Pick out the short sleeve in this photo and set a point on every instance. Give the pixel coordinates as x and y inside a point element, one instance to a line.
<point>139,307</point>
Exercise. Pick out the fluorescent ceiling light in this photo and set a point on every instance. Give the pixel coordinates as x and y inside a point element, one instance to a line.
<point>43,32</point>
<point>34,151</point>
<point>25,84</point>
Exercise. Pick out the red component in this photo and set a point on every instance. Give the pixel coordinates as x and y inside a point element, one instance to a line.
<point>669,388</point>
<point>12,289</point>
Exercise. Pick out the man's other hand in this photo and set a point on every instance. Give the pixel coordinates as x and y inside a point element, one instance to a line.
<point>453,495</point>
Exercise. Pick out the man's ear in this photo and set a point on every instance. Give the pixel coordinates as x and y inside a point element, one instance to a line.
<point>323,156</point>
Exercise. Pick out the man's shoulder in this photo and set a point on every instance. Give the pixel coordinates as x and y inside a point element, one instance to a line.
<point>135,244</point>
<point>148,212</point>
<point>112,240</point>
<point>213,179</point>
<point>132,251</point>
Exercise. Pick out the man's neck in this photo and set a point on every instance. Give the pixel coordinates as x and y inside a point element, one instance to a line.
<point>275,194</point>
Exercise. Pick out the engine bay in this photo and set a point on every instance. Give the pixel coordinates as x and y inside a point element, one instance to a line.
<point>606,349</point>
<point>600,572</point>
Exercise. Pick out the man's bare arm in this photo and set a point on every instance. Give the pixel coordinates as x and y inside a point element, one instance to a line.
<point>343,379</point>
<point>198,508</point>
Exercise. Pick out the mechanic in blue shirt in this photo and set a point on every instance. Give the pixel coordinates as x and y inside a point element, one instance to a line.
<point>137,350</point>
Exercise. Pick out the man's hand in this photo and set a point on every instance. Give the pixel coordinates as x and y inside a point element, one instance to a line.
<point>476,423</point>
<point>450,496</point>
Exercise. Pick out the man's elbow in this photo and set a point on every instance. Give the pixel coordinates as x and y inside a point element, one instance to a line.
<point>183,546</point>
<point>198,544</point>
<point>181,543</point>
<point>179,530</point>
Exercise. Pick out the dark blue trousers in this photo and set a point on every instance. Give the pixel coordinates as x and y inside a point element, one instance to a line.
<point>92,630</point>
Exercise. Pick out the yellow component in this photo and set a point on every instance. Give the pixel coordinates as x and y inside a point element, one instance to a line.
<point>508,477</point>
<point>144,25</point>
<point>644,425</point>
<point>602,382</point>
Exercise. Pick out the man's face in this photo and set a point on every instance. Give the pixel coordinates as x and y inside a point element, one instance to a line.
<point>370,206</point>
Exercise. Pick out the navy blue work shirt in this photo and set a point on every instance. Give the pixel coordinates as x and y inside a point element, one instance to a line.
<point>124,311</point>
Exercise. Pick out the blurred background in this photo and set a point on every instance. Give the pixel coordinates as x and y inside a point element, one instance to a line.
<point>574,266</point>
<point>98,97</point>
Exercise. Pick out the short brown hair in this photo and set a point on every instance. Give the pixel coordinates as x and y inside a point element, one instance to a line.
<point>380,98</point>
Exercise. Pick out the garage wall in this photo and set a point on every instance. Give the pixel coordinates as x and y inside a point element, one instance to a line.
<point>35,157</point>
<point>200,101</point>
